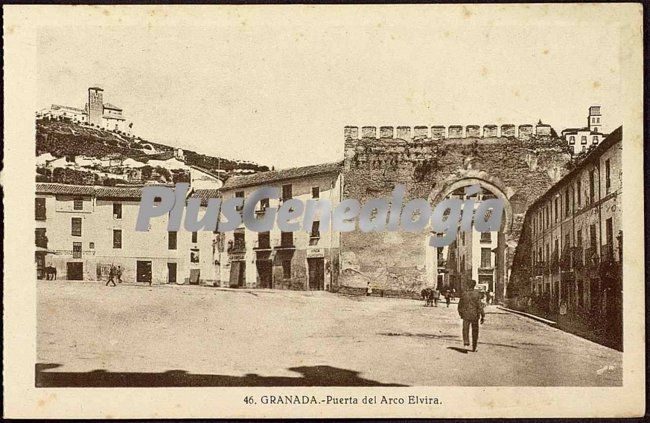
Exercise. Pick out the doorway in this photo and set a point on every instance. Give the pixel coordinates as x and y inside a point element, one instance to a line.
<point>237,274</point>
<point>143,271</point>
<point>75,271</point>
<point>171,272</point>
<point>265,272</point>
<point>316,273</point>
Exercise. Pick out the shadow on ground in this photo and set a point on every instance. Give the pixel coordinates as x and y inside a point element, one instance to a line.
<point>311,376</point>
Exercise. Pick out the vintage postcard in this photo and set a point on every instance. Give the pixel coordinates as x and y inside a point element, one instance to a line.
<point>323,211</point>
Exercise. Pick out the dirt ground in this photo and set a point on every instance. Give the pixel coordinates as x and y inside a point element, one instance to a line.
<point>92,335</point>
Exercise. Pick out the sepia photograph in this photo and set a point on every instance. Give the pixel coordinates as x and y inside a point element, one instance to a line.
<point>277,200</point>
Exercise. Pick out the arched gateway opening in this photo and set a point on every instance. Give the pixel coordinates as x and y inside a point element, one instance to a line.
<point>473,255</point>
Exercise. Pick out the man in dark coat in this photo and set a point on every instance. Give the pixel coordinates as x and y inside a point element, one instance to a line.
<point>470,309</point>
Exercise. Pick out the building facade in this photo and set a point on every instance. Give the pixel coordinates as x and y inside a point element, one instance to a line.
<point>301,260</point>
<point>82,230</point>
<point>580,140</point>
<point>570,265</point>
<point>95,112</point>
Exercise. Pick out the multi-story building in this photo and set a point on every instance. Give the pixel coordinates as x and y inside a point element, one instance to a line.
<point>82,230</point>
<point>582,139</point>
<point>572,251</point>
<point>305,260</point>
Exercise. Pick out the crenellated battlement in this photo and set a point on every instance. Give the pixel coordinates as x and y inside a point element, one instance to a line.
<point>440,132</point>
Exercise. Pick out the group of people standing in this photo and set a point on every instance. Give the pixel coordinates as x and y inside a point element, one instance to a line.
<point>431,296</point>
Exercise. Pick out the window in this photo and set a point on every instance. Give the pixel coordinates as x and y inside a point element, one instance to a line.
<point>286,239</point>
<point>556,208</point>
<point>238,194</point>
<point>117,210</point>
<point>40,209</point>
<point>239,240</point>
<point>91,245</point>
<point>264,204</point>
<point>440,260</point>
<point>40,237</point>
<point>567,205</point>
<point>264,240</point>
<point>315,192</point>
<point>315,229</point>
<point>172,240</point>
<point>486,236</point>
<point>486,258</point>
<point>583,139</point>
<point>286,192</point>
<point>76,250</point>
<point>194,237</point>
<point>592,237</point>
<point>592,188</point>
<point>76,226</point>
<point>572,140</point>
<point>286,269</point>
<point>117,238</point>
<point>594,139</point>
<point>609,237</point>
<point>194,255</point>
<point>78,204</point>
<point>608,182</point>
<point>579,193</point>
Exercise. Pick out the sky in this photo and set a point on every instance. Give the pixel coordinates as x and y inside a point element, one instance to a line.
<point>280,92</point>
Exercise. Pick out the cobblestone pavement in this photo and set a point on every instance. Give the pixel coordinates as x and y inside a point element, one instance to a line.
<point>93,335</point>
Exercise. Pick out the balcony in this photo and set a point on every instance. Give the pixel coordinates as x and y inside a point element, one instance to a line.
<point>262,245</point>
<point>236,247</point>
<point>609,267</point>
<point>286,241</point>
<point>591,258</point>
<point>565,260</point>
<point>577,257</point>
<point>554,265</point>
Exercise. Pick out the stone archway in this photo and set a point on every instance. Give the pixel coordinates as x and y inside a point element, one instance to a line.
<point>484,182</point>
<point>452,255</point>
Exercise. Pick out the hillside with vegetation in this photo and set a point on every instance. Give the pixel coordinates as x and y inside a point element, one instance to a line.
<point>68,139</point>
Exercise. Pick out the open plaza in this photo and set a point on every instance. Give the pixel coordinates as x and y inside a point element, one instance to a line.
<point>180,335</point>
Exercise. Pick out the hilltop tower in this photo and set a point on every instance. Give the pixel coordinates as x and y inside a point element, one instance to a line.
<point>95,105</point>
<point>594,122</point>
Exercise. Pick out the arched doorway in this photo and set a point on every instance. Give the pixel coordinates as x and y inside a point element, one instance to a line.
<point>473,255</point>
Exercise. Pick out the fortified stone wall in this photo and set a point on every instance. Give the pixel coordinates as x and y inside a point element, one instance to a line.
<point>520,171</point>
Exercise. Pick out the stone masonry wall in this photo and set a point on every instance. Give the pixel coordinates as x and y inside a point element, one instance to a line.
<point>395,261</point>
